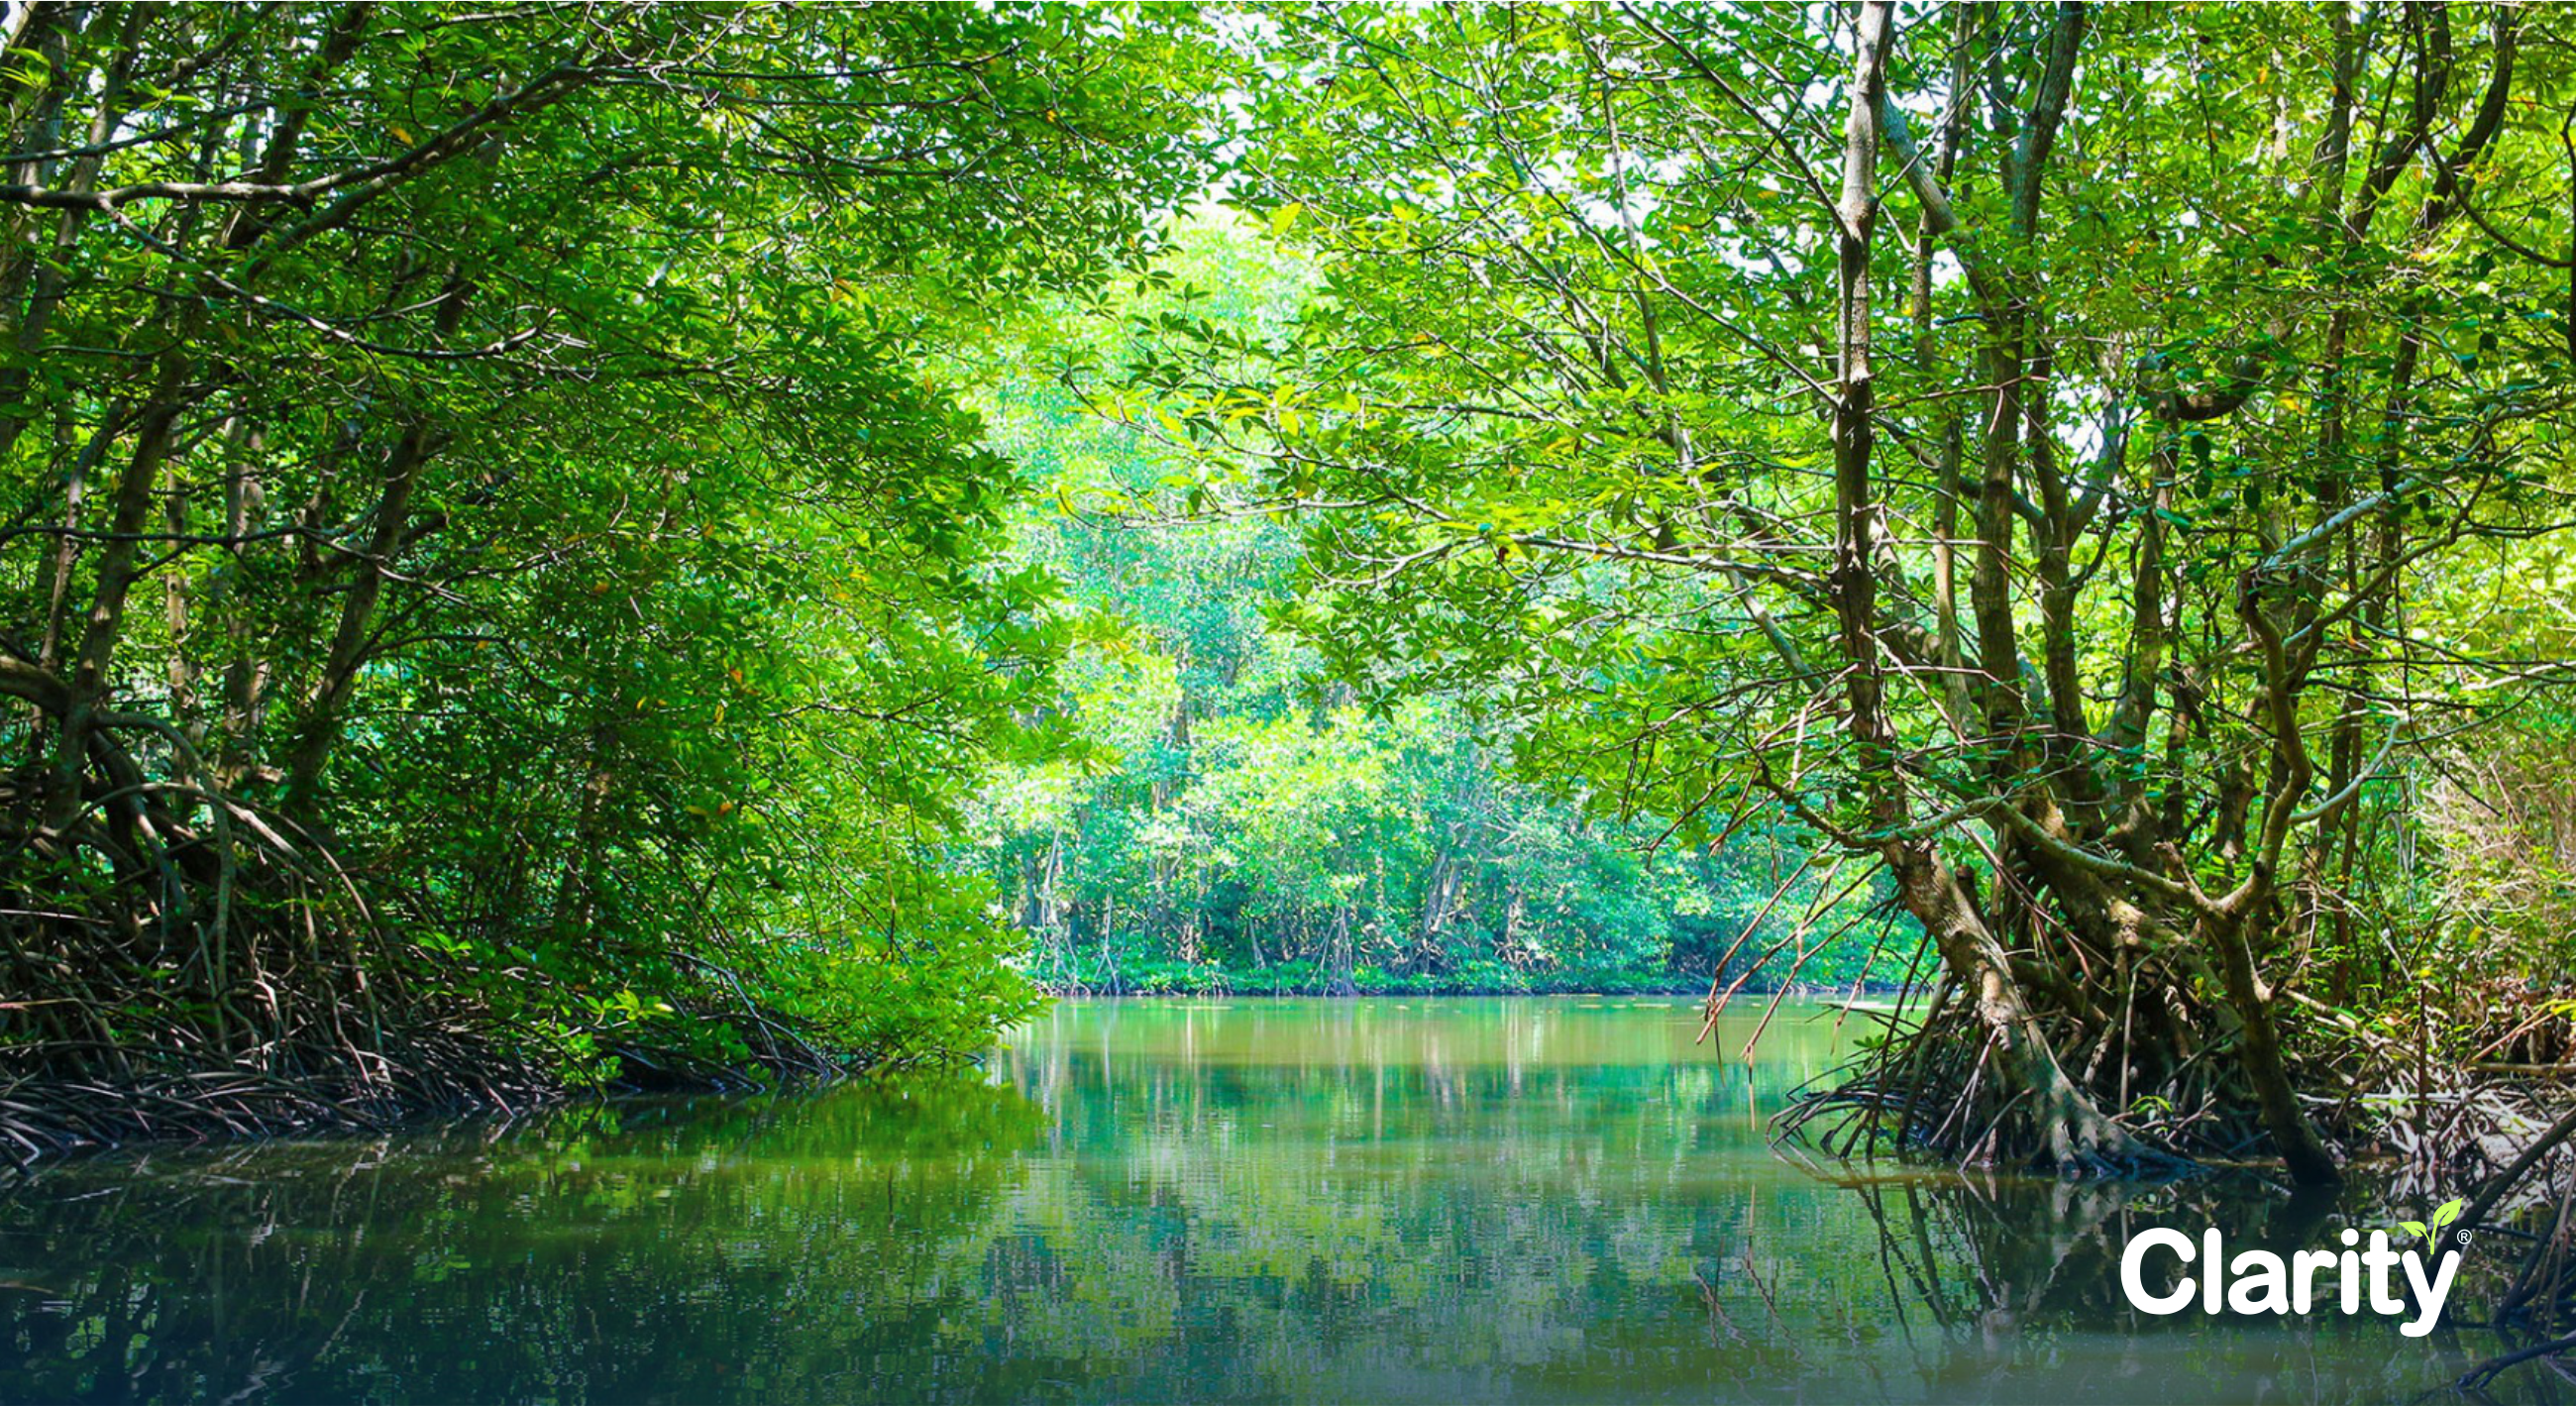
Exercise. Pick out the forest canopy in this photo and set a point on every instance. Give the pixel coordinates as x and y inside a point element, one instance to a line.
<point>495,592</point>
<point>640,543</point>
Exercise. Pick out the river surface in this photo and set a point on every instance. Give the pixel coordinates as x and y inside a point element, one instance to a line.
<point>1242,1200</point>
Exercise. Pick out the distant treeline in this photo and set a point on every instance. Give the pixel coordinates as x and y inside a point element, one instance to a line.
<point>1221,821</point>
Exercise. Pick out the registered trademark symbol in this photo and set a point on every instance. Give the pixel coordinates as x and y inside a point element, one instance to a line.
<point>2461,1235</point>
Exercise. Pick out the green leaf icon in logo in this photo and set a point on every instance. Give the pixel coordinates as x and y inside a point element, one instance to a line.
<point>2448,1212</point>
<point>2412,1227</point>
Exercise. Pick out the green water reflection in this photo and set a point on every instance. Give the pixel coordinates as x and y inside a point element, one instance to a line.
<point>1543,1199</point>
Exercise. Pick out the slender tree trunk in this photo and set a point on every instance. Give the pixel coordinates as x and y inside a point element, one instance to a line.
<point>2076,1131</point>
<point>104,625</point>
<point>2258,1053</point>
<point>324,715</point>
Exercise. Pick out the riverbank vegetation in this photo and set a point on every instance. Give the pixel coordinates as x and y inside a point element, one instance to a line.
<point>492,594</point>
<point>2099,469</point>
<point>643,544</point>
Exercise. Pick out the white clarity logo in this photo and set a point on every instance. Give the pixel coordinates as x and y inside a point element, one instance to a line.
<point>2259,1281</point>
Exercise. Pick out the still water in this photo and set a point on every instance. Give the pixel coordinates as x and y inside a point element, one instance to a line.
<point>1523,1200</point>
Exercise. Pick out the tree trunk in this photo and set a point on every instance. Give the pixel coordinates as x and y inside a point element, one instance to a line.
<point>321,731</point>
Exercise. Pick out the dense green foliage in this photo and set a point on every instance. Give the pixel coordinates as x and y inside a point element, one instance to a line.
<point>494,552</point>
<point>2094,465</point>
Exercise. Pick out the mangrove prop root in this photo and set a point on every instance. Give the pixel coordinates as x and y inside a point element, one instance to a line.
<point>177,964</point>
<point>2163,1069</point>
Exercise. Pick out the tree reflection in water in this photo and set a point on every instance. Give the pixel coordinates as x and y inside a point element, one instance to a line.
<point>1249,1201</point>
